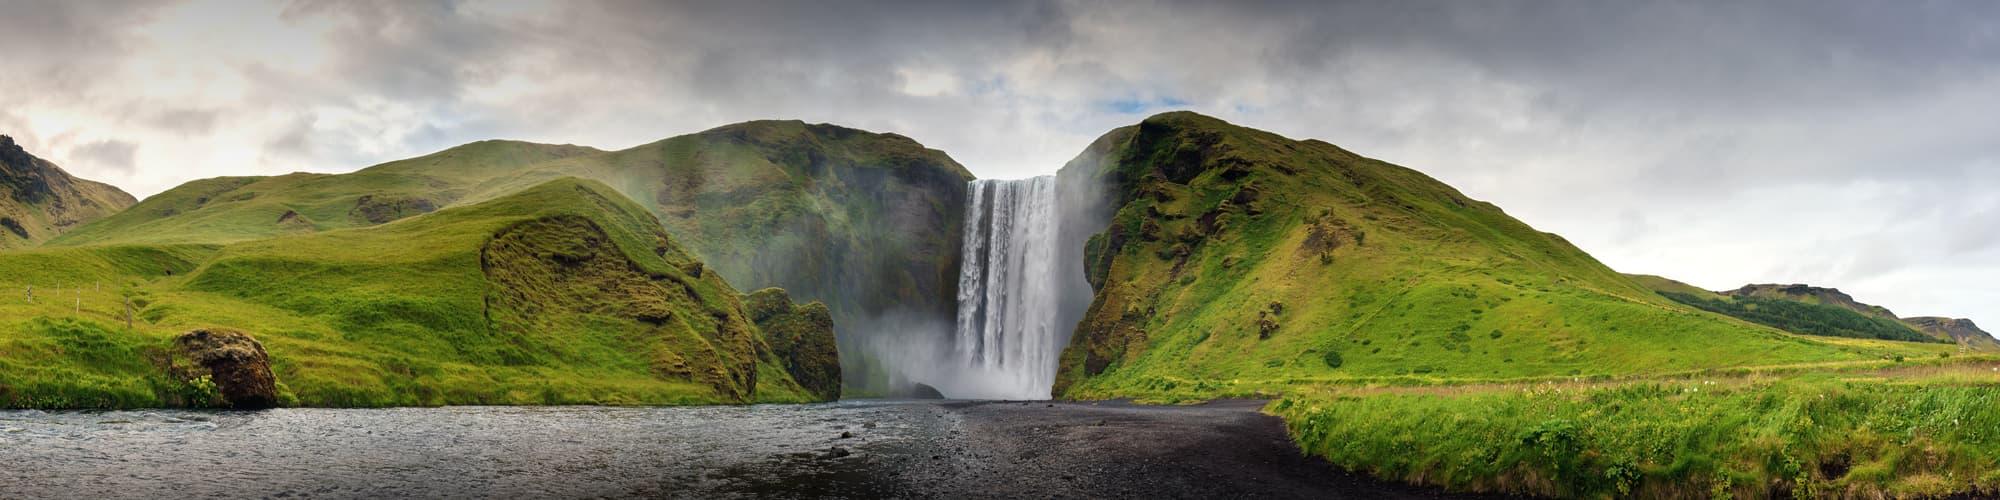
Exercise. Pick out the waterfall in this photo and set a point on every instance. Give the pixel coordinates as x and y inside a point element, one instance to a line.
<point>1010,290</point>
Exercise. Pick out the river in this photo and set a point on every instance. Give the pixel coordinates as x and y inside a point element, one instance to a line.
<point>913,449</point>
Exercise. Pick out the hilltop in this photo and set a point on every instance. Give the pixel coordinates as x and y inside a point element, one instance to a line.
<point>233,209</point>
<point>39,201</point>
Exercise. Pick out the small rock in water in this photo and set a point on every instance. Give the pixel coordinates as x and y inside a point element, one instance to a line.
<point>1051,405</point>
<point>846,435</point>
<point>869,425</point>
<point>837,452</point>
<point>1100,423</point>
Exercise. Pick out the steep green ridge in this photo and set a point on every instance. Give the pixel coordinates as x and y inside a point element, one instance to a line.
<point>1812,310</point>
<point>1238,261</point>
<point>564,292</point>
<point>867,223</point>
<point>231,209</point>
<point>39,201</point>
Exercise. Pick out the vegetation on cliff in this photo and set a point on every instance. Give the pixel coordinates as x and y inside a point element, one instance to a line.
<point>1237,261</point>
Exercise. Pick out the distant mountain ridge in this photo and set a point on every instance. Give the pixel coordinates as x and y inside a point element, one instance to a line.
<point>39,200</point>
<point>1959,331</point>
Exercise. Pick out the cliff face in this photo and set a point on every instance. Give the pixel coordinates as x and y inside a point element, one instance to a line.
<point>39,201</point>
<point>1812,295</point>
<point>1958,330</point>
<point>867,223</point>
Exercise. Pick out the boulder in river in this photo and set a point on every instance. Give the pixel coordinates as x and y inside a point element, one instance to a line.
<point>233,361</point>
<point>922,391</point>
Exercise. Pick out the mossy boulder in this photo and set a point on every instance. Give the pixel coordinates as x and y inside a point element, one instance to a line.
<point>801,337</point>
<point>231,364</point>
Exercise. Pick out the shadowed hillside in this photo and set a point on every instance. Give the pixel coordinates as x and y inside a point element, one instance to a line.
<point>39,201</point>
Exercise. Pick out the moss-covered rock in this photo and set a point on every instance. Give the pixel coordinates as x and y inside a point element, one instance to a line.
<point>801,336</point>
<point>229,365</point>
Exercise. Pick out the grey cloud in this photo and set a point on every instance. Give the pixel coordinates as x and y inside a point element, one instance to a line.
<point>105,155</point>
<point>185,120</point>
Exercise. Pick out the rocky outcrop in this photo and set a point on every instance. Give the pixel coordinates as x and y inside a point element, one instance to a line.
<point>801,336</point>
<point>39,201</point>
<point>549,274</point>
<point>1811,295</point>
<point>231,364</point>
<point>567,274</point>
<point>1961,331</point>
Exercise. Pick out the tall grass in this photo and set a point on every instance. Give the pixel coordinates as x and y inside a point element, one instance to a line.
<point>1911,434</point>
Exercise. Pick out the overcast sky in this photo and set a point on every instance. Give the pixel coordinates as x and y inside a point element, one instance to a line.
<point>1846,144</point>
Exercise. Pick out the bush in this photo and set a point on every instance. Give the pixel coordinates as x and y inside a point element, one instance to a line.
<point>1333,359</point>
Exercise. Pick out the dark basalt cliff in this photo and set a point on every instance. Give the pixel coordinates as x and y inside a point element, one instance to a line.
<point>1958,330</point>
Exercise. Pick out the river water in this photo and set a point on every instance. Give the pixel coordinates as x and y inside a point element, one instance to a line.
<point>513,452</point>
<point>910,449</point>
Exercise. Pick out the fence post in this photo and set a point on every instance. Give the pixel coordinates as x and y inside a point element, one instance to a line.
<point>128,313</point>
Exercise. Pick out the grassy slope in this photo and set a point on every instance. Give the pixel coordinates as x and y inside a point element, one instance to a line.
<point>39,201</point>
<point>231,209</point>
<point>1422,284</point>
<point>405,313</point>
<point>867,223</point>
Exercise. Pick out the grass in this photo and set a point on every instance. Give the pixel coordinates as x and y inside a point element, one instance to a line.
<point>415,312</point>
<point>233,209</point>
<point>1930,430</point>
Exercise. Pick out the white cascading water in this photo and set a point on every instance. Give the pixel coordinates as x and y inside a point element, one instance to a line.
<point>1008,336</point>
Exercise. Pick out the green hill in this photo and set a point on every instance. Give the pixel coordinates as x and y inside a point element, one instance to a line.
<point>39,201</point>
<point>1237,260</point>
<point>231,209</point>
<point>867,223</point>
<point>564,292</point>
<point>1809,310</point>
